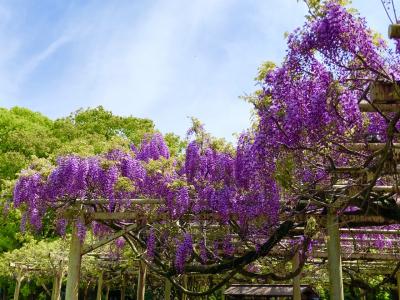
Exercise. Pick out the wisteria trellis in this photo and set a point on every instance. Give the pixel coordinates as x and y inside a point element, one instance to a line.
<point>308,112</point>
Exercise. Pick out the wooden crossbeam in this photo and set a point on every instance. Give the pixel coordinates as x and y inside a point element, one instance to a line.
<point>124,201</point>
<point>107,239</point>
<point>383,91</point>
<point>360,231</point>
<point>394,31</point>
<point>378,220</point>
<point>377,188</point>
<point>112,215</point>
<point>361,256</point>
<point>365,106</point>
<point>369,146</point>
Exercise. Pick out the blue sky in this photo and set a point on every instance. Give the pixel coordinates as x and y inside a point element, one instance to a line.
<point>165,60</point>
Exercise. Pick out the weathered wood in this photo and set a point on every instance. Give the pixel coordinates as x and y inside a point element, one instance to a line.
<point>369,146</point>
<point>123,289</point>
<point>384,92</point>
<point>141,288</point>
<point>223,292</point>
<point>398,285</point>
<point>377,188</point>
<point>107,292</point>
<point>167,290</point>
<point>367,107</point>
<point>74,266</point>
<point>106,240</point>
<point>296,279</point>
<point>123,201</point>
<point>394,31</point>
<point>57,282</point>
<point>185,285</point>
<point>350,219</point>
<point>99,286</point>
<point>112,215</point>
<point>19,279</point>
<point>361,256</point>
<point>359,231</point>
<point>334,257</point>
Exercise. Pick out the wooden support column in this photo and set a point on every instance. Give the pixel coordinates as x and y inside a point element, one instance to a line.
<point>185,285</point>
<point>296,280</point>
<point>334,257</point>
<point>222,292</point>
<point>141,288</point>
<point>74,266</point>
<point>57,283</point>
<point>19,278</point>
<point>107,292</point>
<point>398,284</point>
<point>99,286</point>
<point>167,291</point>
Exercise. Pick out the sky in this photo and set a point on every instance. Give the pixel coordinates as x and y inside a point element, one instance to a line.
<point>167,60</point>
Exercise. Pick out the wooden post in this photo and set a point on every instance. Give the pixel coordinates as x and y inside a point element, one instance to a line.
<point>167,291</point>
<point>57,283</point>
<point>334,257</point>
<point>394,31</point>
<point>99,286</point>
<point>74,266</point>
<point>107,292</point>
<point>398,284</point>
<point>123,291</point>
<point>20,277</point>
<point>141,289</point>
<point>185,285</point>
<point>222,292</point>
<point>296,279</point>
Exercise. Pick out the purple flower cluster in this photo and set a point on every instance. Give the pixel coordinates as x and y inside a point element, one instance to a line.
<point>151,245</point>
<point>183,252</point>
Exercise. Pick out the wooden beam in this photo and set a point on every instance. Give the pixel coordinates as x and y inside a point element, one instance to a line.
<point>394,31</point>
<point>361,256</point>
<point>383,92</point>
<point>376,220</point>
<point>360,231</point>
<point>367,107</point>
<point>124,201</point>
<point>369,146</point>
<point>106,240</point>
<point>125,215</point>
<point>376,188</point>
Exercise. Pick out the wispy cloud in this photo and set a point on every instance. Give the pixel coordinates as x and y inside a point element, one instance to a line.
<point>161,59</point>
